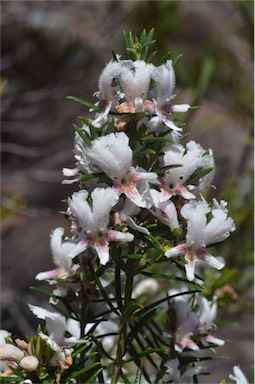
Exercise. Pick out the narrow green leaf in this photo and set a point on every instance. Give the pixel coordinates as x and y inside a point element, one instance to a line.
<point>125,378</point>
<point>169,277</point>
<point>93,130</point>
<point>205,75</point>
<point>131,309</point>
<point>108,128</point>
<point>101,348</point>
<point>166,57</point>
<point>87,177</point>
<point>66,216</point>
<point>195,107</point>
<point>148,351</point>
<point>91,380</point>
<point>102,290</point>
<point>83,348</point>
<point>84,102</point>
<point>8,379</point>
<point>175,61</point>
<point>172,166</point>
<point>157,337</point>
<point>157,139</point>
<point>81,371</point>
<point>155,243</point>
<point>156,303</point>
<point>120,227</point>
<point>136,328</point>
<point>44,293</point>
<point>198,174</point>
<point>138,150</point>
<point>118,286</point>
<point>84,135</point>
<point>135,256</point>
<point>132,351</point>
<point>151,57</point>
<point>147,151</point>
<point>143,347</point>
<point>114,55</point>
<point>138,376</point>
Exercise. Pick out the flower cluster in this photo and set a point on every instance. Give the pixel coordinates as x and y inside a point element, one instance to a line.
<point>141,205</point>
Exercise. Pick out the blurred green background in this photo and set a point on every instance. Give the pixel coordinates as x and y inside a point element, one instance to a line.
<point>52,49</point>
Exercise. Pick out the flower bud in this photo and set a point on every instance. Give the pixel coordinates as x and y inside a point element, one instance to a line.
<point>10,352</point>
<point>29,363</point>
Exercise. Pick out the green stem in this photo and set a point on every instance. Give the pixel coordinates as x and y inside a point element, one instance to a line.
<point>117,365</point>
<point>83,305</point>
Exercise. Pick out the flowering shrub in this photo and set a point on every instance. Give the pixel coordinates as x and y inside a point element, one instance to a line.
<point>128,279</point>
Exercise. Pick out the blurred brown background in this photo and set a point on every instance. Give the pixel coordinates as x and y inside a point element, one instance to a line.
<point>52,49</point>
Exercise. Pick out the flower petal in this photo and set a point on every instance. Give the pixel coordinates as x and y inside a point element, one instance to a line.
<point>56,322</point>
<point>138,176</point>
<point>135,79</point>
<point>53,274</point>
<point>219,227</point>
<point>164,77</point>
<point>81,209</point>
<point>103,201</point>
<point>180,108</point>
<point>70,172</point>
<point>102,249</point>
<point>132,224</point>
<point>190,266</point>
<point>112,154</point>
<point>132,193</point>
<point>208,258</point>
<point>183,192</point>
<point>180,249</point>
<point>111,71</point>
<point>112,235</point>
<point>195,213</point>
<point>213,340</point>
<point>79,248</point>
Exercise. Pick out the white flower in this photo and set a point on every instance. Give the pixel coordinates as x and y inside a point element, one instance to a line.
<point>238,376</point>
<point>164,77</point>
<point>208,311</point>
<point>184,323</point>
<point>126,216</point>
<point>183,162</point>
<point>107,93</point>
<point>156,125</point>
<point>57,325</point>
<point>94,222</point>
<point>113,155</point>
<point>135,79</point>
<point>165,211</point>
<point>175,373</point>
<point>83,163</point>
<point>60,250</point>
<point>110,72</point>
<point>200,234</point>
